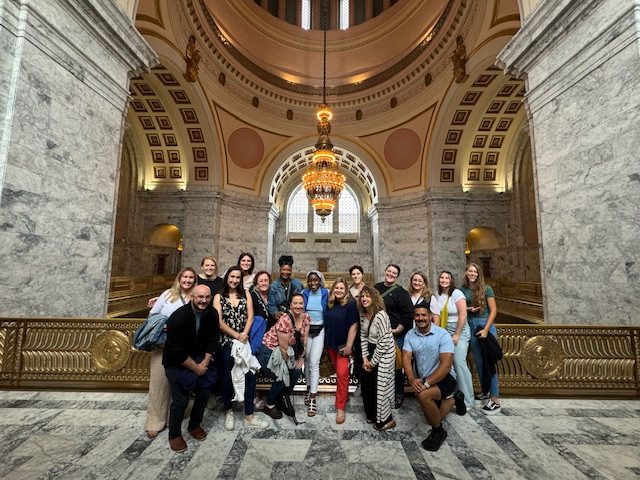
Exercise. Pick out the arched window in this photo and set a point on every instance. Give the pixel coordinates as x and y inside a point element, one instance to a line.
<point>298,212</point>
<point>320,226</point>
<point>347,212</point>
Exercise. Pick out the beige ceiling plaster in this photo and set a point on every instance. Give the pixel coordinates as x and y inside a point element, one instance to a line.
<point>407,178</point>
<point>236,176</point>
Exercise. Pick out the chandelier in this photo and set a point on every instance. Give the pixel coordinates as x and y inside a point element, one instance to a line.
<point>323,181</point>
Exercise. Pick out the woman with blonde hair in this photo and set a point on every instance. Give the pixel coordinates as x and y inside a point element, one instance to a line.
<point>481,305</point>
<point>159,393</point>
<point>418,288</point>
<point>341,326</point>
<point>379,359</point>
<point>209,275</point>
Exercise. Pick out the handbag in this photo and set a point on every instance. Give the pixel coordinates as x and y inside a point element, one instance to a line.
<point>315,329</point>
<point>444,313</point>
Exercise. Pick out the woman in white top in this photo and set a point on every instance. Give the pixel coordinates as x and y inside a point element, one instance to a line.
<point>418,288</point>
<point>449,308</point>
<point>159,393</point>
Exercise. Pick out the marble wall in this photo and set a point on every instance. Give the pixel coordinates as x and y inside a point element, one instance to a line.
<point>582,63</point>
<point>243,227</point>
<point>64,75</point>
<point>340,250</point>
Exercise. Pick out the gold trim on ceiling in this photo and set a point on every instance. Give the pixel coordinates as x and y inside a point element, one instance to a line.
<point>302,89</point>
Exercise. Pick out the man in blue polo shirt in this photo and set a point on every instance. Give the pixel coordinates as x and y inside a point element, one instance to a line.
<point>435,385</point>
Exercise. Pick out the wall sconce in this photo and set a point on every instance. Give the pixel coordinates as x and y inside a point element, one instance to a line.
<point>467,250</point>
<point>180,246</point>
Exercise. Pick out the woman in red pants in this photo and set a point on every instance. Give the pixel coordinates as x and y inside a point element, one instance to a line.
<point>340,325</point>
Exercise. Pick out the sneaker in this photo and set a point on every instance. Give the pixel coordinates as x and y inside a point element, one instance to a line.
<point>481,397</point>
<point>272,412</point>
<point>178,444</point>
<point>458,398</point>
<point>258,403</point>
<point>434,440</point>
<point>229,421</point>
<point>491,408</point>
<point>256,423</point>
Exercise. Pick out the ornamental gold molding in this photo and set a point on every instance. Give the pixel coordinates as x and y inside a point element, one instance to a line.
<point>539,360</point>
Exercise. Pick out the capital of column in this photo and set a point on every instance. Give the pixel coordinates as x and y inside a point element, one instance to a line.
<point>563,40</point>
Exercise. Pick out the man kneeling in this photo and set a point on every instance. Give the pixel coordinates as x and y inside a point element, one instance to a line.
<point>432,348</point>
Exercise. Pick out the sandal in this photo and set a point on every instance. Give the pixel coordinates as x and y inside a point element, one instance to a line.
<point>340,417</point>
<point>307,397</point>
<point>312,407</point>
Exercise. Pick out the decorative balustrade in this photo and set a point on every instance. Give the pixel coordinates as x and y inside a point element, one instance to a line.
<point>130,294</point>
<point>539,360</point>
<point>519,299</point>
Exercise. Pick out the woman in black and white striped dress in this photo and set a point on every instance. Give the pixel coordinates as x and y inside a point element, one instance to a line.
<point>378,355</point>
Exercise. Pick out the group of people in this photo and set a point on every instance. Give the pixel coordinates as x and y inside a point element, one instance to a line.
<point>386,331</point>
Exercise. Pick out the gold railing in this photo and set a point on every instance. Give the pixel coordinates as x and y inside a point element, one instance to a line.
<point>539,360</point>
<point>519,299</point>
<point>130,294</point>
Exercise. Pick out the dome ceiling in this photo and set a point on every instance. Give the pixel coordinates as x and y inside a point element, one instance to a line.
<point>358,58</point>
<point>282,63</point>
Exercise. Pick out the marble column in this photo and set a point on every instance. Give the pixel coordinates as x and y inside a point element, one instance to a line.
<point>243,227</point>
<point>581,63</point>
<point>64,75</point>
<point>422,232</point>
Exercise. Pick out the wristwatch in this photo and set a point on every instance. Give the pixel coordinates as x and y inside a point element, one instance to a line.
<point>426,384</point>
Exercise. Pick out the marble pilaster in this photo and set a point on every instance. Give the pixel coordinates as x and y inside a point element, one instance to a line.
<point>423,232</point>
<point>243,227</point>
<point>581,63</point>
<point>64,73</point>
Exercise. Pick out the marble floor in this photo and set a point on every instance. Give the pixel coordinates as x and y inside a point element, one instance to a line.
<point>83,435</point>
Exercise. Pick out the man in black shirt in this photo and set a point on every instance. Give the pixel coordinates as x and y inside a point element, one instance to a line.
<point>192,337</point>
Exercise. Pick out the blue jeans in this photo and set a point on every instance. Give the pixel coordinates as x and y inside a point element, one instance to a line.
<point>226,364</point>
<point>179,402</point>
<point>463,374</point>
<point>477,353</point>
<point>278,385</point>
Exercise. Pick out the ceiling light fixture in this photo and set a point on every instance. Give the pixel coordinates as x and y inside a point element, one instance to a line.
<point>323,181</point>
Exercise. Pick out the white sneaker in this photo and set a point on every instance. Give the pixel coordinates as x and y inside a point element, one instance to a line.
<point>491,408</point>
<point>229,421</point>
<point>256,423</point>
